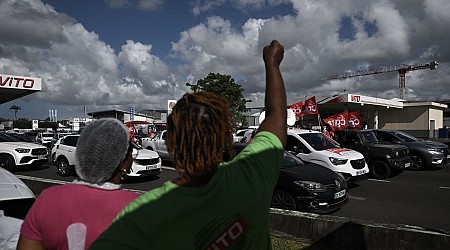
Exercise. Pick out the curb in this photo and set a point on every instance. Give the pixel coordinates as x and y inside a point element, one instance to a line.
<point>344,233</point>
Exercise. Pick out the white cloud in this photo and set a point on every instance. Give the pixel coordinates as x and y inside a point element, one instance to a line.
<point>78,68</point>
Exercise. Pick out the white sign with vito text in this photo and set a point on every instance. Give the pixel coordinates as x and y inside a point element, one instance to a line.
<point>20,82</point>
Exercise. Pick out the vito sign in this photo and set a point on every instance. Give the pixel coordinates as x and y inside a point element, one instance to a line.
<point>20,82</point>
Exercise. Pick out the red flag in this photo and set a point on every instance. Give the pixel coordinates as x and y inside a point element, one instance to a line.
<point>354,120</point>
<point>337,121</point>
<point>310,106</point>
<point>297,108</point>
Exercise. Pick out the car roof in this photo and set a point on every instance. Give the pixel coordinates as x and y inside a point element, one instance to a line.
<point>302,131</point>
<point>12,188</point>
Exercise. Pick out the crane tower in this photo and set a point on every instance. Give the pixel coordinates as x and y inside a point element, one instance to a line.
<point>400,69</point>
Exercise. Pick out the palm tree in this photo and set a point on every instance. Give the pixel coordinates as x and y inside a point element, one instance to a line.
<point>15,108</point>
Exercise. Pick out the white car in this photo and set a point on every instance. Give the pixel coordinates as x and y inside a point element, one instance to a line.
<point>145,162</point>
<point>15,197</point>
<point>45,138</point>
<point>239,136</point>
<point>315,147</point>
<point>14,153</point>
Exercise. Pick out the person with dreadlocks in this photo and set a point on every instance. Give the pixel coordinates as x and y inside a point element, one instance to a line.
<point>212,204</point>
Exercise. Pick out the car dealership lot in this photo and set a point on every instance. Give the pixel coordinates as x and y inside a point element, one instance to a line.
<point>416,198</point>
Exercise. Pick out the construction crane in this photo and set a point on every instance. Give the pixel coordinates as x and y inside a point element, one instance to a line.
<point>400,69</point>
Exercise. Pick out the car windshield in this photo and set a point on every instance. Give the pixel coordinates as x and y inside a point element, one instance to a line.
<point>8,138</point>
<point>47,135</point>
<point>290,161</point>
<point>405,137</point>
<point>319,141</point>
<point>368,137</point>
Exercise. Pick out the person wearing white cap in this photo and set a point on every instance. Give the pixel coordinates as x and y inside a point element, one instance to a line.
<point>72,216</point>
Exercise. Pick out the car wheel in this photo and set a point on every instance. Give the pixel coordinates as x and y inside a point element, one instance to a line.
<point>283,200</point>
<point>7,162</point>
<point>417,162</point>
<point>379,170</point>
<point>63,168</point>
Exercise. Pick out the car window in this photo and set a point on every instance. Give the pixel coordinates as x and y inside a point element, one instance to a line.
<point>294,145</point>
<point>16,208</point>
<point>291,161</point>
<point>8,138</point>
<point>368,137</point>
<point>319,141</point>
<point>405,137</point>
<point>70,141</point>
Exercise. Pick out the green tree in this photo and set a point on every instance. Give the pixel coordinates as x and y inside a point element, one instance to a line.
<point>225,86</point>
<point>22,123</point>
<point>15,108</point>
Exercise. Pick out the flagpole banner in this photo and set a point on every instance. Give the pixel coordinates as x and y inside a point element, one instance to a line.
<point>337,121</point>
<point>354,120</point>
<point>310,107</point>
<point>297,108</point>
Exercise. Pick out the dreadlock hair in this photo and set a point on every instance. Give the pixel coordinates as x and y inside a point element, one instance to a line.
<point>198,132</point>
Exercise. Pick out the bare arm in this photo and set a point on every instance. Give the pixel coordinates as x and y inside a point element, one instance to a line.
<point>275,100</point>
<point>29,244</point>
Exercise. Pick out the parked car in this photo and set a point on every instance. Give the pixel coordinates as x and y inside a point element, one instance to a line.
<point>15,197</point>
<point>383,159</point>
<point>157,143</point>
<point>145,162</point>
<point>315,147</point>
<point>45,138</point>
<point>56,137</point>
<point>423,153</point>
<point>306,187</point>
<point>239,135</point>
<point>14,153</point>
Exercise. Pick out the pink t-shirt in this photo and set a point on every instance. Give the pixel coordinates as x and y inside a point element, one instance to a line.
<point>61,206</point>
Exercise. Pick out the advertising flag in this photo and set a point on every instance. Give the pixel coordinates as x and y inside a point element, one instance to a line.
<point>337,121</point>
<point>297,108</point>
<point>310,106</point>
<point>354,120</point>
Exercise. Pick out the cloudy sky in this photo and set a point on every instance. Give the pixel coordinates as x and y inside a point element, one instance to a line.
<point>107,54</point>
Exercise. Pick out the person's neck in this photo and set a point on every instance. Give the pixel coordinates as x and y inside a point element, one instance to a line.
<point>180,181</point>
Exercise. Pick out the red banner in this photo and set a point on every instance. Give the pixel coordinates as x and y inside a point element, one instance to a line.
<point>310,107</point>
<point>297,108</point>
<point>344,120</point>
<point>354,120</point>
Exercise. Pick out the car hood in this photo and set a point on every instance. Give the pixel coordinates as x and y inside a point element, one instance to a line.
<point>433,144</point>
<point>387,146</point>
<point>342,152</point>
<point>12,188</point>
<point>146,154</point>
<point>311,172</point>
<point>22,144</point>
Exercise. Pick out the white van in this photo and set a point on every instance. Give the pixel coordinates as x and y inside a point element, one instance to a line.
<point>314,146</point>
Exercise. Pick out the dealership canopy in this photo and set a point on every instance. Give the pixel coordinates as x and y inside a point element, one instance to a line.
<point>14,87</point>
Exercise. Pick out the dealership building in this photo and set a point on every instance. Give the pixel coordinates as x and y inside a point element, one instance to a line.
<point>422,119</point>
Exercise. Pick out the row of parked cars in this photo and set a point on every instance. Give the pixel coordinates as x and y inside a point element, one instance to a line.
<point>317,168</point>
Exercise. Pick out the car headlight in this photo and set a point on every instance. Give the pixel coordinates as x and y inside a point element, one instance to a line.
<point>22,150</point>
<point>338,161</point>
<point>440,150</point>
<point>311,186</point>
<point>394,154</point>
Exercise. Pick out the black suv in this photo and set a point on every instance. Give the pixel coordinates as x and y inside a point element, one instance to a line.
<point>382,158</point>
<point>423,153</point>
